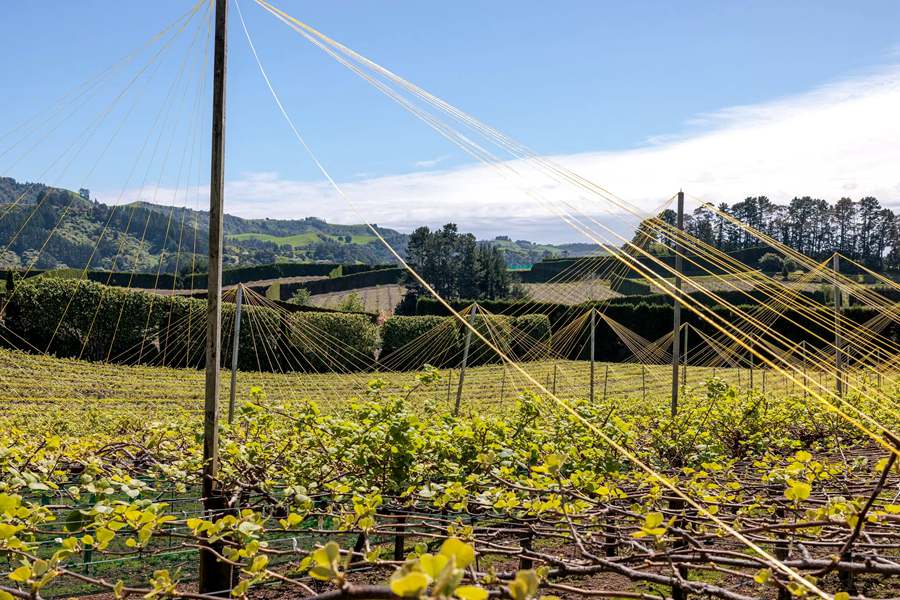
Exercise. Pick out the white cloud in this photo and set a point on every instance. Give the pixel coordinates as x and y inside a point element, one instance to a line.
<point>840,139</point>
<point>431,163</point>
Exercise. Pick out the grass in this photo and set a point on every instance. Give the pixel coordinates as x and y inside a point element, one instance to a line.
<point>377,299</point>
<point>298,240</point>
<point>41,385</point>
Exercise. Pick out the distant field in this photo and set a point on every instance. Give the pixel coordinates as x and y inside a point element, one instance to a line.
<point>573,292</point>
<point>379,298</point>
<point>43,385</point>
<point>298,240</point>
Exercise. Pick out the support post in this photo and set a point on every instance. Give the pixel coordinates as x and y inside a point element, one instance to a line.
<point>449,383</point>
<point>676,305</point>
<point>465,359</point>
<point>684,360</point>
<point>644,381</point>
<point>751,363</point>
<point>554,377</point>
<point>838,359</point>
<point>593,349</point>
<point>235,348</point>
<point>215,577</point>
<point>605,379</point>
<point>805,378</point>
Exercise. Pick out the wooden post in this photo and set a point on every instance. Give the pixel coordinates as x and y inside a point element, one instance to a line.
<point>215,577</point>
<point>605,379</point>
<point>465,359</point>
<point>554,378</point>
<point>235,347</point>
<point>838,359</point>
<point>751,363</point>
<point>805,378</point>
<point>503,384</point>
<point>644,381</point>
<point>676,305</point>
<point>684,361</point>
<point>593,351</point>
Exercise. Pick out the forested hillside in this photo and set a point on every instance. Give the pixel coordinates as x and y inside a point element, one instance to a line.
<point>48,228</point>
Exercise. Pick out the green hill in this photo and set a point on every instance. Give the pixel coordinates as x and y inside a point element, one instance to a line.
<point>51,228</point>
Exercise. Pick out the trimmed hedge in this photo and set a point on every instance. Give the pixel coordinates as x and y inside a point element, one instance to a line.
<point>164,281</point>
<point>261,272</point>
<point>397,332</point>
<point>444,350</point>
<point>629,287</point>
<point>328,342</point>
<point>364,279</point>
<point>531,338</point>
<point>130,326</point>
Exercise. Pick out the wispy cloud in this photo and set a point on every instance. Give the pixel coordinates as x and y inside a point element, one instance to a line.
<point>431,163</point>
<point>840,139</point>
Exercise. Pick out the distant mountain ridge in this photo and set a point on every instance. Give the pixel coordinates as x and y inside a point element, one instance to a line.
<point>47,228</point>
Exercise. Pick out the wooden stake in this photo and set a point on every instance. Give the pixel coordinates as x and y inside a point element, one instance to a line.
<point>449,383</point>
<point>235,347</point>
<point>805,379</point>
<point>465,359</point>
<point>215,577</point>
<point>644,381</point>
<point>751,363</point>
<point>838,359</point>
<point>593,349</point>
<point>605,379</point>
<point>676,305</point>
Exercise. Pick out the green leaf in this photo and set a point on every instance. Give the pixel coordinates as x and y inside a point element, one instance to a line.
<point>259,563</point>
<point>22,574</point>
<point>433,565</point>
<point>7,531</point>
<point>524,586</point>
<point>461,551</point>
<point>653,520</point>
<point>762,576</point>
<point>104,536</point>
<point>410,585</point>
<point>803,456</point>
<point>797,491</point>
<point>471,592</point>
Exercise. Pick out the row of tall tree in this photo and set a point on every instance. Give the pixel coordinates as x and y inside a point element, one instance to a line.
<point>456,265</point>
<point>862,230</point>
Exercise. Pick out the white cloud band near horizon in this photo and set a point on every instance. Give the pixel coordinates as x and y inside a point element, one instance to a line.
<point>841,139</point>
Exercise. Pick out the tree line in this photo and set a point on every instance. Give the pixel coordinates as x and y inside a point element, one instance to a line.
<point>862,230</point>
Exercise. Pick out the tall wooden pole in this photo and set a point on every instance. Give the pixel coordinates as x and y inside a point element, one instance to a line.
<point>805,377</point>
<point>465,359</point>
<point>215,577</point>
<point>838,359</point>
<point>676,323</point>
<point>593,349</point>
<point>235,348</point>
<point>684,360</point>
<point>751,363</point>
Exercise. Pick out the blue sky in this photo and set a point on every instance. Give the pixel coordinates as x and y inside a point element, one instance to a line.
<point>575,80</point>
